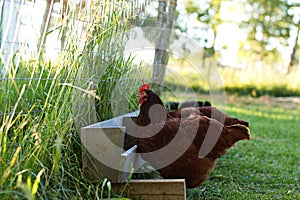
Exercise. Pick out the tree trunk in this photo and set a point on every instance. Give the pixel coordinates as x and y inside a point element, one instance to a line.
<point>293,55</point>
<point>164,28</point>
<point>46,21</point>
<point>64,12</point>
<point>45,24</point>
<point>1,19</point>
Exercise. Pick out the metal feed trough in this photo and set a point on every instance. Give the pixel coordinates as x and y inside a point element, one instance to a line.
<point>106,153</point>
<point>110,152</point>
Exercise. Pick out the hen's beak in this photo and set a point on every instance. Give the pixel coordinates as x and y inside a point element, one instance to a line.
<point>142,97</point>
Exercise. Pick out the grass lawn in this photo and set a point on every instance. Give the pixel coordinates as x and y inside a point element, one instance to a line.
<point>267,166</point>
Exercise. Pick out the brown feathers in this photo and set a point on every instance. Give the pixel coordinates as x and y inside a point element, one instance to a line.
<point>185,143</point>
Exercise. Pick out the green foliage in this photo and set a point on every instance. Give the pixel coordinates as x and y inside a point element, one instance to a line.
<point>208,13</point>
<point>40,154</point>
<point>258,91</point>
<point>241,82</point>
<point>266,167</point>
<point>191,7</point>
<point>267,21</point>
<point>258,83</point>
<point>39,137</point>
<point>269,27</point>
<point>115,73</point>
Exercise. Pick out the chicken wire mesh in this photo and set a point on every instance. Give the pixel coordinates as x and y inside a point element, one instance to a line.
<point>62,33</point>
<point>39,34</point>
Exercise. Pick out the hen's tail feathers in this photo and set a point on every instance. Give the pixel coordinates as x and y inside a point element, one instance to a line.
<point>244,123</point>
<point>229,121</point>
<point>239,132</point>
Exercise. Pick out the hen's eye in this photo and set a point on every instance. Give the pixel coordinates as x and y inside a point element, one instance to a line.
<point>144,94</point>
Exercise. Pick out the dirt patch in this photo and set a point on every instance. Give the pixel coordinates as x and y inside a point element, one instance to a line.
<point>288,99</point>
<point>285,102</point>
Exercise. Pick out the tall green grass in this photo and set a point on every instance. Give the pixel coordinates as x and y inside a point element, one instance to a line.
<point>40,154</point>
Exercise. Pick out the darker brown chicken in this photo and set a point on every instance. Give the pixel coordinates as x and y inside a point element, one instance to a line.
<point>184,144</point>
<point>208,111</point>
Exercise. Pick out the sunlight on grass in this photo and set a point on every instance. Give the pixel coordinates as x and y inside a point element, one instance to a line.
<point>266,167</point>
<point>280,114</point>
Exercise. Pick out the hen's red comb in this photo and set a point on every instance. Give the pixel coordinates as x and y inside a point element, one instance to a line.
<point>144,87</point>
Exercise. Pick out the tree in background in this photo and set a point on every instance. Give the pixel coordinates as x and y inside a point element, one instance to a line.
<point>268,27</point>
<point>294,59</point>
<point>165,21</point>
<point>271,28</point>
<point>295,12</point>
<point>46,24</point>
<point>208,13</point>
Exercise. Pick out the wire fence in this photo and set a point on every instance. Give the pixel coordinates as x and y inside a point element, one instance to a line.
<point>17,16</point>
<point>63,30</point>
<point>25,23</point>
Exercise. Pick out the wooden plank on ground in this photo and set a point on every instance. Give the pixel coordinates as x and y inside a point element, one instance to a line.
<point>164,189</point>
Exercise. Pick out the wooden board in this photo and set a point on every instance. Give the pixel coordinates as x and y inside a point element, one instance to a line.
<point>158,189</point>
<point>102,144</point>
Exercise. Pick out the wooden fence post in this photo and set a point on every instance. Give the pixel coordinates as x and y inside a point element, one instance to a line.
<point>164,28</point>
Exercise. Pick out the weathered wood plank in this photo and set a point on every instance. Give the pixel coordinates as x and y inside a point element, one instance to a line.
<point>155,189</point>
<point>102,144</point>
<point>105,154</point>
<point>157,197</point>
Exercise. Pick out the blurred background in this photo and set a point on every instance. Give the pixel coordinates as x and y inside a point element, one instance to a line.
<point>253,43</point>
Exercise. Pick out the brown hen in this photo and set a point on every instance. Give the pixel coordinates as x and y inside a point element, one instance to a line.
<point>184,145</point>
<point>208,111</point>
